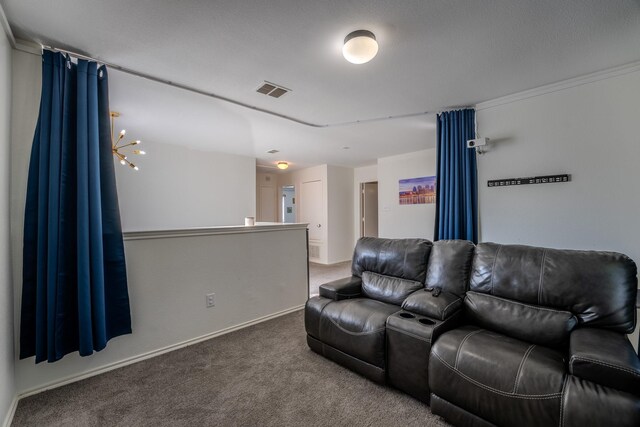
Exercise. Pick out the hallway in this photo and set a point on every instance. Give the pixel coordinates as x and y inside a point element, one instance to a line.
<point>321,273</point>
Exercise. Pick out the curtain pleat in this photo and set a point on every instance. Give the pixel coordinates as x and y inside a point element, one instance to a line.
<point>74,295</point>
<point>457,187</point>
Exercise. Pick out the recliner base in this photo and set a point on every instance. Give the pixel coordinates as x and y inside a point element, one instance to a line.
<point>374,373</point>
<point>455,415</point>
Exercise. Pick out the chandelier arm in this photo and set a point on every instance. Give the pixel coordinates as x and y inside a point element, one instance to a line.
<point>129,144</point>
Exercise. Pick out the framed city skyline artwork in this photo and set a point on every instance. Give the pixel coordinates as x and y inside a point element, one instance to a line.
<point>417,191</point>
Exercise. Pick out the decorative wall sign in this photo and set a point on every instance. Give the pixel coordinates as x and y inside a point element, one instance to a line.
<point>546,179</point>
<point>418,191</point>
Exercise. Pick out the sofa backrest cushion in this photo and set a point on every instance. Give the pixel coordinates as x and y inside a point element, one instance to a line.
<point>599,288</point>
<point>403,258</point>
<point>531,323</point>
<point>450,266</point>
<point>388,289</point>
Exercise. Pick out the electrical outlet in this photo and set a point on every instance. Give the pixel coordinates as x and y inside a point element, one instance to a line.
<point>211,300</point>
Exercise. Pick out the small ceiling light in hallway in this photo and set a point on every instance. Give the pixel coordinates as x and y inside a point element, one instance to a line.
<point>283,165</point>
<point>360,47</point>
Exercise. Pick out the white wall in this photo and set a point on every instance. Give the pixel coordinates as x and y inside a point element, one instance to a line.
<point>360,175</point>
<point>7,383</point>
<point>589,131</point>
<point>179,187</point>
<point>340,213</point>
<point>394,220</point>
<point>26,84</point>
<point>270,181</point>
<point>168,280</point>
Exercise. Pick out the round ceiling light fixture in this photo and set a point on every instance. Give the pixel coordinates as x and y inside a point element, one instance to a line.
<point>283,165</point>
<point>360,47</point>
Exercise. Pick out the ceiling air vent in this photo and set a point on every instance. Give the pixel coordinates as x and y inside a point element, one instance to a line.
<point>272,89</point>
<point>274,151</point>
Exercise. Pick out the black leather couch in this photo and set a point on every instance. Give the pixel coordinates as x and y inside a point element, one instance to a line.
<point>490,334</point>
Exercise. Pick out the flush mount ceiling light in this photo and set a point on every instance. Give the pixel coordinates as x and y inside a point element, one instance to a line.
<point>282,165</point>
<point>360,47</point>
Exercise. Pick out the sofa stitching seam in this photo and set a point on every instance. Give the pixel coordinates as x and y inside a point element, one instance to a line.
<point>373,273</point>
<point>320,318</point>
<point>564,385</point>
<point>599,362</point>
<point>493,267</point>
<point>466,337</point>
<point>354,333</point>
<point>404,261</point>
<point>503,393</point>
<point>522,362</point>
<point>540,283</point>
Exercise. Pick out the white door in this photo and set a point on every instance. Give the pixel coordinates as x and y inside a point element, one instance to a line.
<point>268,209</point>
<point>288,204</point>
<point>311,208</point>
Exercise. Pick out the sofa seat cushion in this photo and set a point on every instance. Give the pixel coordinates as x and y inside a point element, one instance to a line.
<point>503,380</point>
<point>357,328</point>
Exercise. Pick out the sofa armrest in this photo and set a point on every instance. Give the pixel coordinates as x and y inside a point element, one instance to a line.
<point>435,305</point>
<point>606,358</point>
<point>348,287</point>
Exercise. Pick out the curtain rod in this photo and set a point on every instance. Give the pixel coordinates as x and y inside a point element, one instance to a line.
<point>220,97</point>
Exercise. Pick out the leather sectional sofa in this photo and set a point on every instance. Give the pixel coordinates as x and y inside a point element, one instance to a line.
<point>490,334</point>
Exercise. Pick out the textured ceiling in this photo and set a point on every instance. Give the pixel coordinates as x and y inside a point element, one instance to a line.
<point>433,55</point>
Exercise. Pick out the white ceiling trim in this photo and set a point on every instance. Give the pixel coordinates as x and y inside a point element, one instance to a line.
<point>565,84</point>
<point>7,27</point>
<point>188,88</point>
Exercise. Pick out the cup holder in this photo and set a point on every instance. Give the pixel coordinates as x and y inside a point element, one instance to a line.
<point>407,315</point>
<point>427,322</point>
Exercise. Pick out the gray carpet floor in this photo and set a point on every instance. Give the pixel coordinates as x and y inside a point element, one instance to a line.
<point>321,273</point>
<point>263,375</point>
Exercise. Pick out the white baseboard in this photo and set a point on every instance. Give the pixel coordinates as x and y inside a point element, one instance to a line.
<point>8,419</point>
<point>78,377</point>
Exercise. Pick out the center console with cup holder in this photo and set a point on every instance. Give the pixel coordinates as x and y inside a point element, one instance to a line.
<point>409,338</point>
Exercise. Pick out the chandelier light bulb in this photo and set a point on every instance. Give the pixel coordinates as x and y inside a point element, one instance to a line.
<point>360,47</point>
<point>118,149</point>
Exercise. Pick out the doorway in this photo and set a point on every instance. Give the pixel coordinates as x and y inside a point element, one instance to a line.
<point>287,204</point>
<point>369,209</point>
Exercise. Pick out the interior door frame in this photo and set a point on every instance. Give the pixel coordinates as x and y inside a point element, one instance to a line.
<point>362,205</point>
